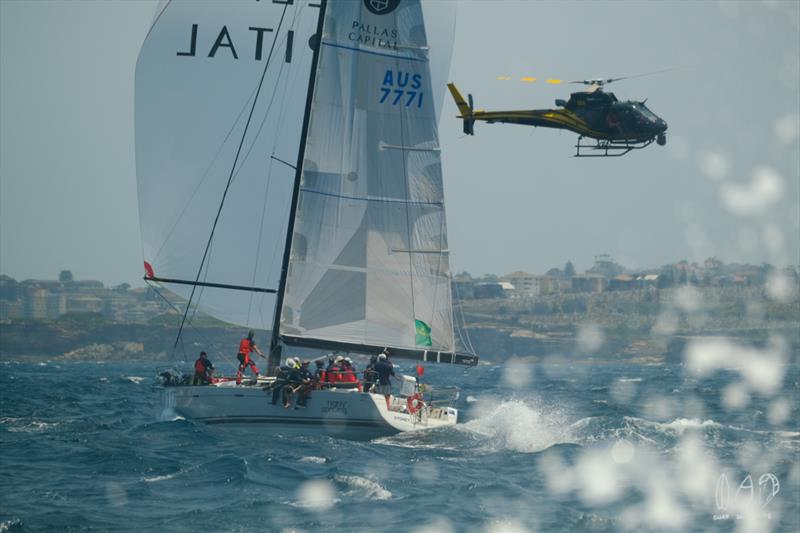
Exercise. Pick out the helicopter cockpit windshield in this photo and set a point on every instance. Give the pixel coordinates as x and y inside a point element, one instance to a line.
<point>645,112</point>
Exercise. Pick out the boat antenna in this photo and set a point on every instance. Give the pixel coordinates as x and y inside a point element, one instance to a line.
<point>230,177</point>
<point>274,357</point>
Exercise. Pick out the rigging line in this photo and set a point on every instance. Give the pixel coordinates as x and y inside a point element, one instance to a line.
<point>463,334</point>
<point>220,353</point>
<point>258,247</point>
<point>230,176</point>
<point>464,331</point>
<point>202,292</point>
<point>404,155</point>
<point>371,198</point>
<point>279,160</point>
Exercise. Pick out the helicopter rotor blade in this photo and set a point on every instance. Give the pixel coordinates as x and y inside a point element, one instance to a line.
<point>532,79</point>
<point>611,80</point>
<point>596,82</point>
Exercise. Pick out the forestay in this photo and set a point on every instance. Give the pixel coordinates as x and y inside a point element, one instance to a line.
<point>369,259</point>
<point>196,80</point>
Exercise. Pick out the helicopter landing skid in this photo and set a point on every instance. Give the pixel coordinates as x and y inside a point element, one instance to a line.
<point>610,148</point>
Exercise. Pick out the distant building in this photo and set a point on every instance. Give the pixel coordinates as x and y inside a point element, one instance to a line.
<point>10,309</point>
<point>588,283</point>
<point>529,285</point>
<point>80,303</point>
<point>56,305</point>
<point>621,282</point>
<point>625,282</point>
<point>34,303</point>
<point>9,289</point>
<point>491,289</point>
<point>463,286</point>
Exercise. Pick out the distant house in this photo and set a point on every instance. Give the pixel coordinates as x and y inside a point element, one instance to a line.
<point>492,289</point>
<point>623,282</point>
<point>464,289</point>
<point>589,283</point>
<point>527,285</point>
<point>651,280</point>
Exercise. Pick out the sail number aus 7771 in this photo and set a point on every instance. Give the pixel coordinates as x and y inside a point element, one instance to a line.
<point>401,88</point>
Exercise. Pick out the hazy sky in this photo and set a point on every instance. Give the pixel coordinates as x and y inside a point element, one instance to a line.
<point>727,183</point>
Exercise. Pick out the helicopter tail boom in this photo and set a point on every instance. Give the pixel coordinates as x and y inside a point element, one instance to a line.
<point>464,108</point>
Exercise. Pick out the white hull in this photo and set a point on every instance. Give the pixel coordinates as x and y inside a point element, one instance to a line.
<point>344,413</point>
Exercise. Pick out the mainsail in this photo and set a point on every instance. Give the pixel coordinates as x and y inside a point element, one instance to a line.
<point>198,74</point>
<point>369,261</point>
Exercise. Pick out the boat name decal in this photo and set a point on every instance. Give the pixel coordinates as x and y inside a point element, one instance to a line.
<point>371,35</point>
<point>335,406</point>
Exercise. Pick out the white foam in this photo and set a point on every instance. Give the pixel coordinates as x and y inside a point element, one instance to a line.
<point>35,426</point>
<point>313,459</point>
<point>471,399</point>
<point>680,425</point>
<point>160,478</point>
<point>134,379</point>
<point>516,425</point>
<point>364,487</point>
<point>8,524</point>
<point>169,415</point>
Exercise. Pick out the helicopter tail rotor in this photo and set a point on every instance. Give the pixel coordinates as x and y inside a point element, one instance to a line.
<point>465,108</point>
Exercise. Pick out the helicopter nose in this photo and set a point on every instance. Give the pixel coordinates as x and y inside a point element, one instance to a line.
<point>661,125</point>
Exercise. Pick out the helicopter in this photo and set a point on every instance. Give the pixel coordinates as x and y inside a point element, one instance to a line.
<point>617,127</point>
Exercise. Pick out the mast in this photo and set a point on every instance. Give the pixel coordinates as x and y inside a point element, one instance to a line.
<point>274,357</point>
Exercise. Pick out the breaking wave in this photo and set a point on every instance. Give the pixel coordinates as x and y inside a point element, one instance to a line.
<point>363,488</point>
<point>313,459</point>
<point>519,426</point>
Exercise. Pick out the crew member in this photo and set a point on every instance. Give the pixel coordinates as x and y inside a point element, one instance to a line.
<point>246,346</point>
<point>321,375</point>
<point>335,370</point>
<point>281,379</point>
<point>370,376</point>
<point>303,390</point>
<point>203,370</point>
<point>294,382</point>
<point>385,370</point>
<point>348,373</point>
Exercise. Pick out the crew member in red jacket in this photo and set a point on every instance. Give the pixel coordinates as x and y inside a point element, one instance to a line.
<point>202,370</point>
<point>246,346</point>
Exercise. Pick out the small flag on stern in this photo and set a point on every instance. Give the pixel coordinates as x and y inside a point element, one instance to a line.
<point>423,333</point>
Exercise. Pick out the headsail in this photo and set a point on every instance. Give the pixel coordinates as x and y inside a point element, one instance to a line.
<point>197,77</point>
<point>369,260</point>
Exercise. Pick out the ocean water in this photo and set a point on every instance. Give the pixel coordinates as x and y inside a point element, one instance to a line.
<point>542,447</point>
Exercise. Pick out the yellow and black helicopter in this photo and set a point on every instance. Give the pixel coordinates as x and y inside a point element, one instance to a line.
<point>617,127</point>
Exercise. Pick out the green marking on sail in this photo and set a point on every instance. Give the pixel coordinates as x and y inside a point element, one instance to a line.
<point>423,333</point>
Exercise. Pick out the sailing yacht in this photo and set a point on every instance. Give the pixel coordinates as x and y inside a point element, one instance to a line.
<point>289,179</point>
